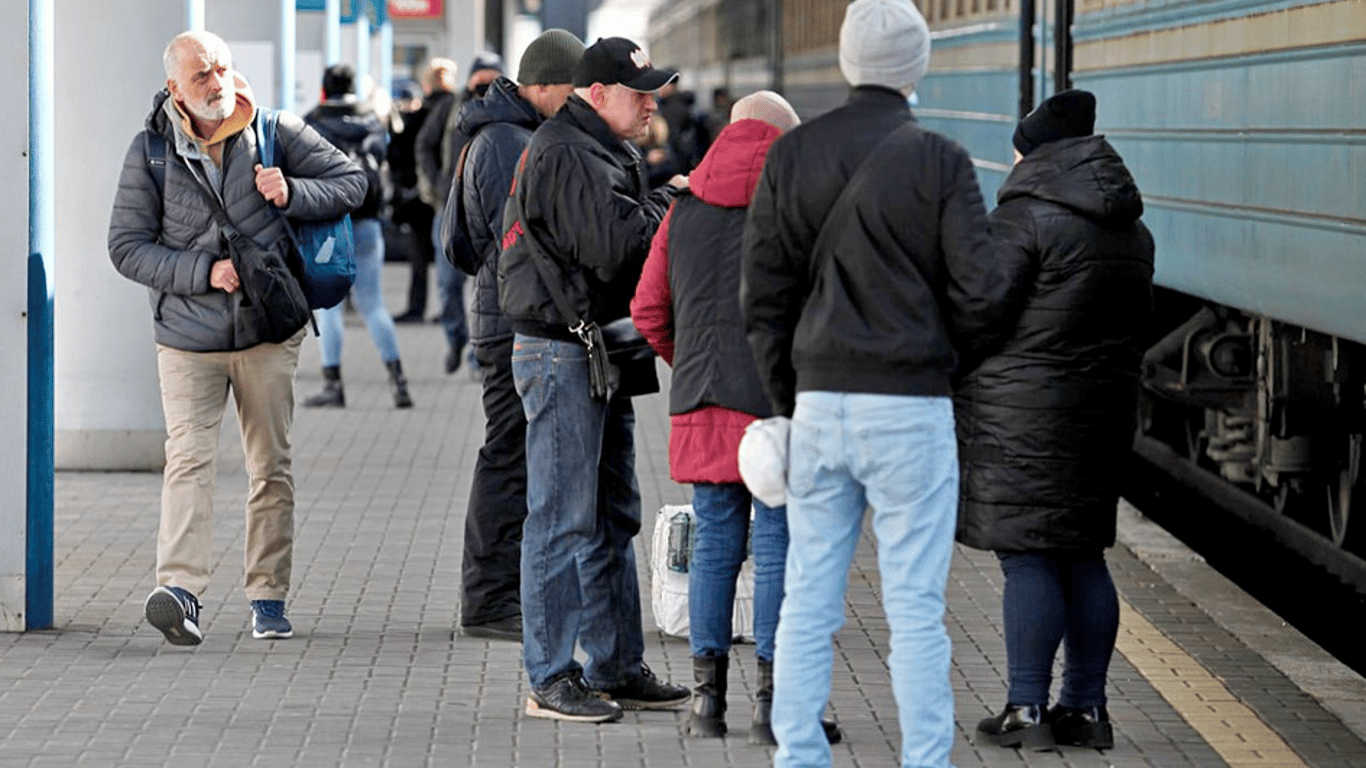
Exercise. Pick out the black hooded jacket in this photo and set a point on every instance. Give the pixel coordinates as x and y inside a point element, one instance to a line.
<point>501,123</point>
<point>1045,422</point>
<point>359,133</point>
<point>580,202</point>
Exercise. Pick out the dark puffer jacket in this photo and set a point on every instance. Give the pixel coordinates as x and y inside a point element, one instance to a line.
<point>1045,422</point>
<point>358,132</point>
<point>501,123</point>
<point>170,242</point>
<point>580,201</point>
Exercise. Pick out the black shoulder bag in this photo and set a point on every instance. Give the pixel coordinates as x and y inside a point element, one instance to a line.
<point>272,299</point>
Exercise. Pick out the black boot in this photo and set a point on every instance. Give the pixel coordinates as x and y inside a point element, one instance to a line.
<point>332,395</point>
<point>398,384</point>
<point>1081,726</point>
<point>761,727</point>
<point>1019,725</point>
<point>708,719</point>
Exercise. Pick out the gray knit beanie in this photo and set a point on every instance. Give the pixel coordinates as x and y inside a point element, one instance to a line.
<point>550,59</point>
<point>884,42</point>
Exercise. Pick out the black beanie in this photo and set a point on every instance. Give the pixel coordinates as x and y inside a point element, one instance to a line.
<point>1063,115</point>
<point>550,59</point>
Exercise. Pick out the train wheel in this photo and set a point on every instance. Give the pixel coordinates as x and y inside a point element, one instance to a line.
<point>1345,531</point>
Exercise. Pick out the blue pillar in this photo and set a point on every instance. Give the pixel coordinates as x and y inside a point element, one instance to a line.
<point>194,15</point>
<point>332,11</point>
<point>42,236</point>
<point>288,49</point>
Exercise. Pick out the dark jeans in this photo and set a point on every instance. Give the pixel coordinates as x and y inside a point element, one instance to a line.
<point>418,216</point>
<point>491,571</point>
<point>1052,599</point>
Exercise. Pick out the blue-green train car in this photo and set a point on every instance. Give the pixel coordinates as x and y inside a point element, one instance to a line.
<point>1244,123</point>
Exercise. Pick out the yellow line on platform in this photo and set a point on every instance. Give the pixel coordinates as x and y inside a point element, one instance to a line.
<point>1222,720</point>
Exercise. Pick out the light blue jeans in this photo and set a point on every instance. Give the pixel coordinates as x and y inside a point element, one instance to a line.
<point>897,456</point>
<point>579,580</point>
<point>367,293</point>
<point>722,512</point>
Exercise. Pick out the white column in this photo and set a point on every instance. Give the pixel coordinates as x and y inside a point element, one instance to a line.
<point>284,54</point>
<point>362,27</point>
<point>332,52</point>
<point>108,404</point>
<point>194,15</point>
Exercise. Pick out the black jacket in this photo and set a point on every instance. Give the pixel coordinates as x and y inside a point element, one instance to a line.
<point>1045,422</point>
<point>501,123</point>
<point>899,281</point>
<point>359,133</point>
<point>433,180</point>
<point>580,201</point>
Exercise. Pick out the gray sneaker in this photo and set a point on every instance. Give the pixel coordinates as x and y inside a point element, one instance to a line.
<point>568,698</point>
<point>175,612</point>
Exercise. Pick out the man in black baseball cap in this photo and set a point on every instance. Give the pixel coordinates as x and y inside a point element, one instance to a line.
<point>577,226</point>
<point>618,61</point>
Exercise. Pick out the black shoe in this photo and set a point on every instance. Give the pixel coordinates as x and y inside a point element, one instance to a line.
<point>1020,725</point>
<point>1081,726</point>
<point>509,629</point>
<point>452,361</point>
<point>410,317</point>
<point>568,698</point>
<point>645,691</point>
<point>708,718</point>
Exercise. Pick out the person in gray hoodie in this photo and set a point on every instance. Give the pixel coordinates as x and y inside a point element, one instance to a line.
<point>163,235</point>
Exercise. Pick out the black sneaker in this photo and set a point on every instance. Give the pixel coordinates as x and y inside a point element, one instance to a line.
<point>568,698</point>
<point>1018,725</point>
<point>175,612</point>
<point>509,629</point>
<point>646,691</point>
<point>1081,726</point>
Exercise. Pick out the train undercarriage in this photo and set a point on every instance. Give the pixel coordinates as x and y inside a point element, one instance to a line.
<point>1276,410</point>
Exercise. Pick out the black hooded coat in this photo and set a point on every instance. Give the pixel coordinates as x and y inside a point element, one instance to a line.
<point>1046,421</point>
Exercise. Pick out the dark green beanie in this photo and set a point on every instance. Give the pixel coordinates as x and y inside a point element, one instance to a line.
<point>550,59</point>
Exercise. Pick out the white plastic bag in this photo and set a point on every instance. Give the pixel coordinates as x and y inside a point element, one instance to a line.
<point>669,585</point>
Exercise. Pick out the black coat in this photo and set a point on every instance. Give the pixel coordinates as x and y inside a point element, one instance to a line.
<point>580,201</point>
<point>1046,421</point>
<point>501,123</point>
<point>881,301</point>
<point>357,131</point>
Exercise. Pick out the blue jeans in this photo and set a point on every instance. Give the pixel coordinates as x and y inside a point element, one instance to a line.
<point>450,291</point>
<point>895,455</point>
<point>366,292</point>
<point>1052,599</point>
<point>579,581</point>
<point>722,512</point>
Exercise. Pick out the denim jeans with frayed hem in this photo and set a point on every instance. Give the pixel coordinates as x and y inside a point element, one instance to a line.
<point>1052,599</point>
<point>722,511</point>
<point>897,457</point>
<point>579,581</point>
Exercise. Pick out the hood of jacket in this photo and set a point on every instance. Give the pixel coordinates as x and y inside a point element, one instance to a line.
<point>169,115</point>
<point>1084,174</point>
<point>729,173</point>
<point>346,120</point>
<point>501,104</point>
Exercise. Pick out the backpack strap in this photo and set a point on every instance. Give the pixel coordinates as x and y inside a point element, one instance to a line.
<point>266,122</point>
<point>154,146</point>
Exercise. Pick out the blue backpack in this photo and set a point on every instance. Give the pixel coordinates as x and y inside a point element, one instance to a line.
<point>327,248</point>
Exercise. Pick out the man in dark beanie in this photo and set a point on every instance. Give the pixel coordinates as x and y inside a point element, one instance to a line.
<point>1063,115</point>
<point>496,129</point>
<point>1063,384</point>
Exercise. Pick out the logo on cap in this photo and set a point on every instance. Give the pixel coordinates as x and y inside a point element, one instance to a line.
<point>639,58</point>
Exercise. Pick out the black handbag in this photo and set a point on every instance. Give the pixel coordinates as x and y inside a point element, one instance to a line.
<point>273,303</point>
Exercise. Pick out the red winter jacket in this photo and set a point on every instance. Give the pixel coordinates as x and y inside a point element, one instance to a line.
<point>704,442</point>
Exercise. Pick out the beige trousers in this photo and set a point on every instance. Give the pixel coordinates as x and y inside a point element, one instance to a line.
<point>194,392</point>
